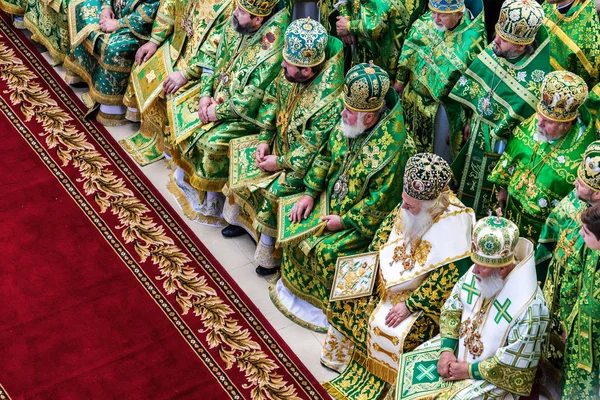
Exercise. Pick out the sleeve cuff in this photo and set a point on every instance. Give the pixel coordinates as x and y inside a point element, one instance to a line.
<point>281,162</point>
<point>410,306</point>
<point>312,193</point>
<point>354,27</point>
<point>474,371</point>
<point>449,344</point>
<point>156,40</point>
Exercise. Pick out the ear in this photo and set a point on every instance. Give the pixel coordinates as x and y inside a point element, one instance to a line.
<point>258,21</point>
<point>307,71</point>
<point>595,197</point>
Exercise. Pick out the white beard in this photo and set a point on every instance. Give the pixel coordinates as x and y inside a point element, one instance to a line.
<point>490,286</point>
<point>541,135</point>
<point>440,28</point>
<point>354,131</point>
<point>415,226</point>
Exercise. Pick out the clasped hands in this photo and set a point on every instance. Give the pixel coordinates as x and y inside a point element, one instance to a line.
<point>341,26</point>
<point>108,23</point>
<point>302,209</point>
<point>207,111</point>
<point>451,369</point>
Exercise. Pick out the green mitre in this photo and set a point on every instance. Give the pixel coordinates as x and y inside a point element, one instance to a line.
<point>494,242</point>
<point>258,8</point>
<point>589,169</point>
<point>365,87</point>
<point>446,6</point>
<point>426,175</point>
<point>305,43</point>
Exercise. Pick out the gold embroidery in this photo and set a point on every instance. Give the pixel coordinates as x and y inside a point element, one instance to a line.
<point>395,341</point>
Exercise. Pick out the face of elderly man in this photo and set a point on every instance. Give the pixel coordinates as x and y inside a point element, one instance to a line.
<point>416,216</point>
<point>490,280</point>
<point>355,123</point>
<point>446,21</point>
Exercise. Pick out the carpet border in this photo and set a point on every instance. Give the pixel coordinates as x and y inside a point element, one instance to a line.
<point>238,299</point>
<point>110,237</point>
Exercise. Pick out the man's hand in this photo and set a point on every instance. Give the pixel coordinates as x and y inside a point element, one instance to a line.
<point>301,210</point>
<point>350,40</point>
<point>144,53</point>
<point>109,25</point>
<point>340,26</point>
<point>107,13</point>
<point>458,371</point>
<point>467,132</point>
<point>262,151</point>
<point>205,102</point>
<point>269,164</point>
<point>446,359</point>
<point>211,112</point>
<point>334,222</point>
<point>397,314</point>
<point>502,197</point>
<point>174,82</point>
<point>399,88</point>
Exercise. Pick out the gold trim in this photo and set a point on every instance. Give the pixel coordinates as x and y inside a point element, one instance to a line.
<point>287,313</point>
<point>555,29</point>
<point>38,37</point>
<point>111,119</point>
<point>438,11</point>
<point>186,207</point>
<point>110,100</point>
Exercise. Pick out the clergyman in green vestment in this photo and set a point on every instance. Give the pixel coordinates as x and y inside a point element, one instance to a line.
<point>181,27</point>
<point>539,166</point>
<point>359,173</point>
<point>498,91</point>
<point>581,367</point>
<point>558,252</point>
<point>423,248</point>
<point>297,115</point>
<point>105,35</point>
<point>438,49</point>
<point>248,59</point>
<point>376,29</point>
<point>491,327</point>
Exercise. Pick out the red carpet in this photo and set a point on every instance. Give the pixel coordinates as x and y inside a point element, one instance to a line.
<point>105,293</point>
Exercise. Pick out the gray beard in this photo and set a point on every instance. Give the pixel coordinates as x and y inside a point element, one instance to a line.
<point>492,285</point>
<point>414,227</point>
<point>353,131</point>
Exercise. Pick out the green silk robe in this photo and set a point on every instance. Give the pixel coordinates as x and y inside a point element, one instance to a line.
<point>538,175</point>
<point>307,111</point>
<point>575,39</point>
<point>183,26</point>
<point>49,25</point>
<point>430,64</point>
<point>104,60</point>
<point>581,368</point>
<point>244,67</point>
<point>497,95</point>
<point>381,26</point>
<point>374,165</point>
<point>561,244</point>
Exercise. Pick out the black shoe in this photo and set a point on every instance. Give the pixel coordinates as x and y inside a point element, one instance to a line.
<point>262,271</point>
<point>231,231</point>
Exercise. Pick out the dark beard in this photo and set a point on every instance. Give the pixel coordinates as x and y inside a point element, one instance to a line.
<point>294,79</point>
<point>246,30</point>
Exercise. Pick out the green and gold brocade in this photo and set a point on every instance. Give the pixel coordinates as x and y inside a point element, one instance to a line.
<point>429,66</point>
<point>581,367</point>
<point>182,26</point>
<point>104,60</point>
<point>373,165</point>
<point>14,7</point>
<point>561,245</point>
<point>48,23</point>
<point>497,95</point>
<point>297,120</point>
<point>537,175</point>
<point>244,67</point>
<point>575,39</point>
<point>381,26</point>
